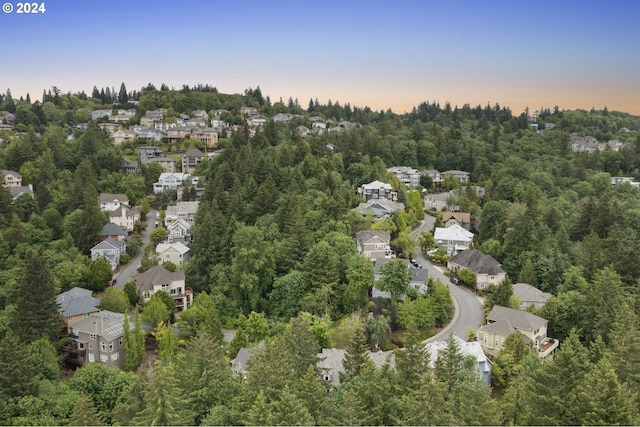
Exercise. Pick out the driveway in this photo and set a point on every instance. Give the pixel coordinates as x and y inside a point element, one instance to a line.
<point>469,310</point>
<point>129,271</point>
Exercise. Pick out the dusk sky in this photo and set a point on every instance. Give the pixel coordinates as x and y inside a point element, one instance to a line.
<point>381,54</point>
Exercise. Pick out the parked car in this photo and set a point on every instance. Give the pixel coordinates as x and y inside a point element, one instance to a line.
<point>414,263</point>
<point>455,280</point>
<point>112,281</point>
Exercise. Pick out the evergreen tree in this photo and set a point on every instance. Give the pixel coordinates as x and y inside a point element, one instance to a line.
<point>18,376</point>
<point>85,413</point>
<point>289,410</point>
<point>123,97</point>
<point>133,341</point>
<point>164,403</point>
<point>356,356</point>
<point>36,311</point>
<point>411,361</point>
<point>114,299</point>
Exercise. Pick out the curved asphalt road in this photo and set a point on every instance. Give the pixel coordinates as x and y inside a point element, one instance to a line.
<point>469,311</point>
<point>129,271</point>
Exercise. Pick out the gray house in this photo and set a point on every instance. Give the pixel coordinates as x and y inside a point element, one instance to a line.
<point>530,296</point>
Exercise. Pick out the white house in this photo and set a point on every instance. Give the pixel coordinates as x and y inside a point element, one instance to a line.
<point>377,190</point>
<point>453,239</point>
<point>170,181</point>
<point>472,349</point>
<point>407,175</point>
<point>182,210</point>
<point>110,202</point>
<point>179,231</point>
<point>110,250</point>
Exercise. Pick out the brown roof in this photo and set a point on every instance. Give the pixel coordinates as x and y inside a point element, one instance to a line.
<point>461,217</point>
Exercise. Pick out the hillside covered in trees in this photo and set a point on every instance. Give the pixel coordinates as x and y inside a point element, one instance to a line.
<point>273,258</point>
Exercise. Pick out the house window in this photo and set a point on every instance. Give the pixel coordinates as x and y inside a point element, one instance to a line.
<point>81,345</point>
<point>92,336</point>
<point>485,339</point>
<point>92,357</point>
<point>103,346</point>
<point>110,346</point>
<point>90,346</point>
<point>496,342</point>
<point>70,318</point>
<point>114,356</point>
<point>104,358</point>
<point>120,343</point>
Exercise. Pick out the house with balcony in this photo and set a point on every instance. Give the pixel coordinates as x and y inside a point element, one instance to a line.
<point>159,279</point>
<point>504,321</point>
<point>11,178</point>
<point>463,219</point>
<point>123,135</point>
<point>453,240</point>
<point>191,159</point>
<point>146,154</point>
<point>379,208</point>
<point>409,176</point>
<point>377,190</point>
<point>131,167</point>
<point>374,243</point>
<point>488,271</point>
<point>110,202</point>
<point>97,339</point>
<point>208,136</point>
<point>174,181</point>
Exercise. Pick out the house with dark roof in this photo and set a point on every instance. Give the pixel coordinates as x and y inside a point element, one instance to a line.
<point>530,296</point>
<point>97,339</point>
<point>113,231</point>
<point>77,304</point>
<point>374,243</point>
<point>20,190</point>
<point>131,167</point>
<point>159,279</point>
<point>463,219</point>
<point>330,364</point>
<point>377,190</point>
<point>379,208</point>
<point>488,271</point>
<point>503,321</point>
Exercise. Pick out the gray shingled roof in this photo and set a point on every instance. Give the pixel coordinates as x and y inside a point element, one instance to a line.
<point>518,319</point>
<point>365,235</point>
<point>77,301</point>
<point>157,275</point>
<point>528,293</point>
<point>111,229</point>
<point>477,262</point>
<point>106,324</point>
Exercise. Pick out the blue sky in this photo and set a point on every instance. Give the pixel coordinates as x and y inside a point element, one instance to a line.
<point>384,54</point>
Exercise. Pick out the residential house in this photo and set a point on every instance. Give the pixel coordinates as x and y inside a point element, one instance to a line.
<point>461,176</point>
<point>150,134</point>
<point>11,178</point>
<point>436,202</point>
<point>125,217</point>
<point>176,253</point>
<point>8,118</point>
<point>453,239</point>
<point>196,122</point>
<point>587,144</point>
<point>120,118</point>
<point>374,243</point>
<point>168,164</point>
<point>110,250</point>
<point>469,349</point>
<point>146,154</point>
<point>98,114</point>
<point>179,231</point>
<point>379,208</point>
<point>615,180</point>
<point>174,181</point>
<point>530,296</point>
<point>377,190</point>
<point>182,210</point>
<point>503,321</point>
<point>406,175</point>
<point>248,111</point>
<point>208,136</point>
<point>330,362</point>
<point>110,202</point>
<point>97,339</point>
<point>418,278</point>
<point>219,124</point>
<point>463,219</point>
<point>19,191</point>
<point>256,121</point>
<point>201,114</point>
<point>113,231</point>
<point>303,131</point>
<point>488,271</point>
<point>131,167</point>
<point>176,134</point>
<point>123,135</point>
<point>191,159</point>
<point>159,279</point>
<point>111,128</point>
<point>284,118</point>
<point>240,364</point>
<point>77,304</point>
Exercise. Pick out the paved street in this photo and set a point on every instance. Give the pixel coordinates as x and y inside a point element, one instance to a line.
<point>468,306</point>
<point>128,272</point>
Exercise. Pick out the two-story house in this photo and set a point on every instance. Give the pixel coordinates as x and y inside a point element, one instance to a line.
<point>406,175</point>
<point>463,219</point>
<point>484,366</point>
<point>113,231</point>
<point>176,253</point>
<point>125,217</point>
<point>110,202</point>
<point>191,159</point>
<point>436,177</point>
<point>377,190</point>
<point>97,339</point>
<point>174,181</point>
<point>179,231</point>
<point>379,208</point>
<point>182,210</point>
<point>374,243</point>
<point>77,304</point>
<point>418,278</point>
<point>503,321</point>
<point>159,279</point>
<point>146,154</point>
<point>168,164</point>
<point>487,270</point>
<point>461,176</point>
<point>110,250</point>
<point>453,239</point>
<point>11,178</point>
<point>529,296</point>
<point>208,136</point>
<point>131,167</point>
